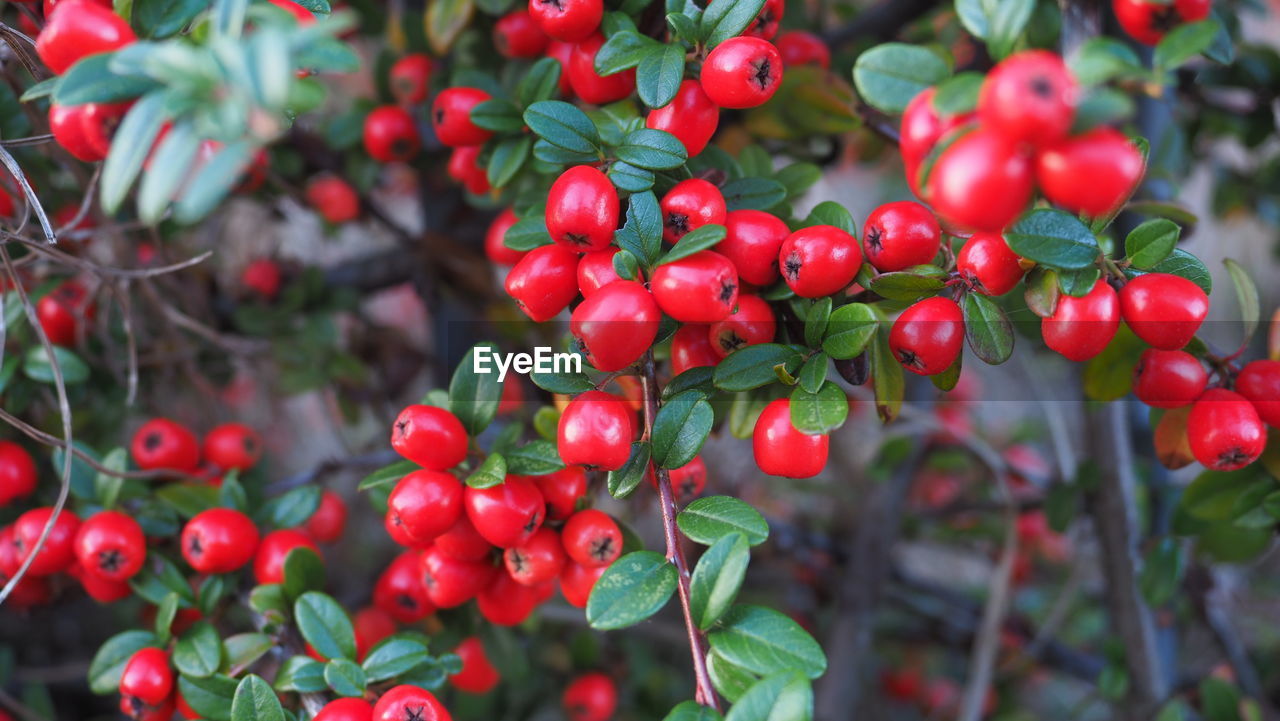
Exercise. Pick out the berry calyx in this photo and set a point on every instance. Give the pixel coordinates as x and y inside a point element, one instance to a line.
<point>689,205</point>
<point>591,538</point>
<point>1225,431</point>
<point>819,260</point>
<point>539,559</point>
<point>988,265</point>
<point>147,676</point>
<point>782,450</point>
<point>391,135</point>
<point>1148,21</point>
<point>742,72</point>
<point>399,590</point>
<point>110,546</point>
<point>595,431</point>
<point>1164,310</point>
<point>233,446</point>
<point>900,235</point>
<point>409,703</point>
<point>751,323</point>
<point>699,288</point>
<point>432,437</point>
<point>567,20</point>
<point>928,336</point>
<point>582,209</point>
<point>164,444</point>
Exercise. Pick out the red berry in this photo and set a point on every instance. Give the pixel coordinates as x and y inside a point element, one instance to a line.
<point>219,540</point>
<point>399,590</point>
<point>691,117</point>
<point>691,347</point>
<point>742,72</point>
<point>562,491</point>
<point>1029,97</point>
<point>922,127</point>
<point>147,676</point>
<point>464,167</point>
<point>371,625</point>
<point>463,542</point>
<point>591,538</point>
<point>477,675</point>
<point>63,311</point>
<point>391,135</point>
<point>432,437</point>
<point>1162,309</point>
<point>451,117</point>
<point>164,444</point>
<point>135,709</point>
<point>97,588</point>
<point>518,35</point>
<point>268,562</point>
<point>507,514</point>
<point>425,504</point>
<point>689,480</point>
<point>507,603</point>
<point>494,238</point>
<point>299,13</point>
<point>819,260</point>
<point>537,560</point>
<point>262,276</point>
<point>410,78</point>
<point>751,323</point>
<point>329,520</point>
<point>100,121</point>
<point>1259,381</point>
<point>567,20</point>
<point>798,47</point>
<point>928,337</point>
<point>1225,431</point>
<point>59,549</point>
<point>595,270</point>
<point>17,472</point>
<point>689,205</point>
<point>1091,174</point>
<point>900,235</point>
<point>699,288</point>
<point>110,546</point>
<point>67,125</point>
<point>591,696</point>
<point>589,85</point>
<point>981,181</point>
<point>576,582</point>
<point>544,281</point>
<point>1081,327</point>
<point>751,243</point>
<point>409,703</point>
<point>595,431</point>
<point>1168,378</point>
<point>233,445</point>
<point>988,265</point>
<point>562,51</point>
<point>1147,21</point>
<point>765,24</point>
<point>582,209</point>
<point>346,709</point>
<point>781,450</point>
<point>451,582</point>
<point>616,325</point>
<point>78,28</point>
<point>333,198</point>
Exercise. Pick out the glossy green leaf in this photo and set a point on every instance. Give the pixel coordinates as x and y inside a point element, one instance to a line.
<point>387,475</point>
<point>726,19</point>
<point>652,150</point>
<point>820,412</point>
<point>622,482</point>
<point>199,652</point>
<point>659,74</point>
<point>255,701</point>
<point>394,656</point>
<point>345,678</point>
<point>536,458</point>
<point>753,193</point>
<point>210,697</point>
<point>474,397</point>
<point>563,125</point>
<point>634,588</point>
<point>888,76</point>
<point>753,366</point>
<point>764,641</point>
<point>717,578</point>
<point>709,519</point>
<point>698,239</point>
<point>492,472</point>
<point>680,428</point>
<point>988,330</point>
<point>1053,238</point>
<point>1246,296</point>
<point>1151,242</point>
<point>785,695</point>
<point>109,661</point>
<point>325,625</point>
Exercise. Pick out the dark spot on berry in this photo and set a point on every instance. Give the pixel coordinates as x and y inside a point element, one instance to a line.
<point>677,223</point>
<point>1233,457</point>
<point>415,713</point>
<point>194,546</point>
<point>875,234</point>
<point>153,440</point>
<point>110,560</point>
<point>727,289</point>
<point>249,444</point>
<point>557,4</point>
<point>1041,86</point>
<point>428,580</point>
<point>763,74</point>
<point>731,341</point>
<point>910,359</point>
<point>439,116</point>
<point>1166,18</point>
<point>402,147</point>
<point>517,560</point>
<point>602,548</point>
<point>791,268</point>
<point>576,239</point>
<point>404,600</point>
<point>402,428</point>
<point>535,520</point>
<point>687,489</point>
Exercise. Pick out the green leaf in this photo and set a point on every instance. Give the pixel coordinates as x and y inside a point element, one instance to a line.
<point>325,625</point>
<point>707,520</point>
<point>628,177</point>
<point>498,115</point>
<point>92,81</point>
<point>1184,265</point>
<point>816,321</point>
<point>188,499</point>
<point>474,397</point>
<point>623,481</point>
<point>1183,43</point>
<point>1100,59</point>
<point>1223,49</point>
<point>210,697</point>
<point>680,428</point>
<point>753,193</point>
<point>973,16</point>
<point>445,21</point>
<point>785,695</point>
<point>1151,242</point>
<point>536,458</point>
<point>490,473</point>
<point>958,94</point>
<point>387,475</point>
<point>829,212</point>
<point>507,159</point>
<point>1053,238</point>
<point>641,235</point>
<point>625,265</point>
<point>255,701</point>
<point>1108,376</point>
<point>634,588</point>
<point>36,366</point>
<point>1008,18</point>
<point>753,366</point>
<point>165,613</point>
<point>243,649</point>
<point>1172,211</point>
<point>717,578</point>
<point>659,74</point>
<point>888,76</point>
<point>345,677</point>
<point>564,126</point>
<point>541,82</point>
<point>887,378</point>
<point>302,674</point>
<point>726,19</point>
<point>693,711</point>
<point>42,89</point>
<point>1219,700</point>
<point>1162,572</point>
<point>732,682</point>
<point>394,656</point>
<point>162,18</point>
<point>303,571</point>
<point>764,641</point>
<point>293,508</point>
<point>109,662</point>
<point>1213,495</point>
<point>849,331</point>
<point>213,181</point>
<point>652,149</point>
<point>621,51</point>
<point>819,413</point>
<point>199,652</point>
<point>1102,106</point>
<point>566,383</point>
<point>813,374</point>
<point>527,234</point>
<point>989,331</point>
<point>698,239</point>
<point>1246,295</point>
<point>798,177</point>
<point>906,286</point>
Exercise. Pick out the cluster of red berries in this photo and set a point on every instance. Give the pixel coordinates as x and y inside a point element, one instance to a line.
<point>979,170</point>
<point>390,131</point>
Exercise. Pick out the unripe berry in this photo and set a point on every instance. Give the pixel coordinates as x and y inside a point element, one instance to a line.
<point>689,205</point>
<point>591,538</point>
<point>544,281</point>
<point>1168,378</point>
<point>477,675</point>
<point>219,540</point>
<point>1164,310</point>
<point>508,514</point>
<point>699,288</point>
<point>1259,381</point>
<point>391,135</point>
<point>582,209</point>
<point>900,235</point>
<point>591,696</point>
<point>595,431</point>
<point>988,264</point>
<point>1029,97</point>
<point>928,337</point>
<point>451,117</point>
<point>819,260</point>
<point>751,323</point>
<point>1080,328</point>
<point>1224,431</point>
<point>1109,161</point>
<point>742,72</point>
<point>616,325</point>
<point>782,450</point>
<point>432,437</point>
<point>691,117</point>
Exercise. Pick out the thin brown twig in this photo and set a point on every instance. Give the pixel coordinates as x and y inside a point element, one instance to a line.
<point>33,203</point>
<point>104,270</point>
<point>704,690</point>
<point>29,140</point>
